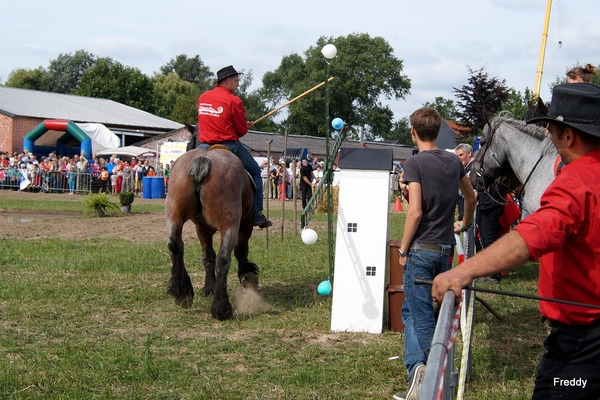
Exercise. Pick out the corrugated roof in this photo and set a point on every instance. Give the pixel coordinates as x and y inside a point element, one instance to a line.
<point>16,102</point>
<point>257,141</point>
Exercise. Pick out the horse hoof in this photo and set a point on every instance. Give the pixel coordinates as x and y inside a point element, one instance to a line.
<point>184,302</point>
<point>222,315</point>
<point>249,281</point>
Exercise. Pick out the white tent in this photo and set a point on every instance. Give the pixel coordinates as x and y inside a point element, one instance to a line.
<point>133,151</point>
<point>102,137</point>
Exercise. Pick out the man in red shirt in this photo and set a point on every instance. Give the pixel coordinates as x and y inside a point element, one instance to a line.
<point>222,120</point>
<point>564,233</point>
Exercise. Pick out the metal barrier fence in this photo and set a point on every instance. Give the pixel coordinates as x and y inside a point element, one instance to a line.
<point>441,376</point>
<point>440,363</point>
<point>53,182</point>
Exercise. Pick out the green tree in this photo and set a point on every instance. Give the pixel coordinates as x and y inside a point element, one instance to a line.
<point>481,93</point>
<point>65,72</point>
<point>27,78</point>
<point>445,107</point>
<point>400,132</point>
<point>176,99</point>
<point>190,70</point>
<point>517,103</point>
<point>365,72</point>
<point>112,80</point>
<point>254,104</point>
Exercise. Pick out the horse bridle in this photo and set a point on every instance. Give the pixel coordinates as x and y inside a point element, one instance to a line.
<point>479,171</point>
<point>477,167</point>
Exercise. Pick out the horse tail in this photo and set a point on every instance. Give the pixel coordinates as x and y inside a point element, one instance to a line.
<point>199,169</point>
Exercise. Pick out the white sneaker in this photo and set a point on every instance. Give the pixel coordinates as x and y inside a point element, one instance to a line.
<point>414,387</point>
<point>400,396</point>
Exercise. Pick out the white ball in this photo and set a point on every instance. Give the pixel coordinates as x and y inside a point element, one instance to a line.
<point>329,51</point>
<point>309,236</point>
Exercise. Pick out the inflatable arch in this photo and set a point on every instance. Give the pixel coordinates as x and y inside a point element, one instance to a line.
<point>72,131</point>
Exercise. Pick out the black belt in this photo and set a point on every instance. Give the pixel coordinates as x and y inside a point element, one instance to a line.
<point>557,324</point>
<point>442,250</point>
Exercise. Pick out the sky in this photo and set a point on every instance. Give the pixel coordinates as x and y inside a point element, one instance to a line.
<point>437,40</point>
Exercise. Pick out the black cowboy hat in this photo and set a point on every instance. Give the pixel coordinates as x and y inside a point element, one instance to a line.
<point>576,105</point>
<point>226,72</point>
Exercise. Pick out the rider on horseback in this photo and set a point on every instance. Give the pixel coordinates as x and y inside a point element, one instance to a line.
<point>222,120</point>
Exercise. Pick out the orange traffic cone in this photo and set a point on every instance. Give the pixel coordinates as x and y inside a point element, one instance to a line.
<point>398,205</point>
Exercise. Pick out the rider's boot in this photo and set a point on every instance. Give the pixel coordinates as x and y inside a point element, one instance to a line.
<point>258,219</point>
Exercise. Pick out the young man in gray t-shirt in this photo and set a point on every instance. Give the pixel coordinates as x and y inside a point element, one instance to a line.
<point>434,177</point>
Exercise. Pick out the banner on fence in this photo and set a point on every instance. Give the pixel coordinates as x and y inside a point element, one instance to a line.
<point>170,151</point>
<point>24,181</point>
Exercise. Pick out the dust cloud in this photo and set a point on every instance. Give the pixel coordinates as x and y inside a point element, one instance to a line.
<point>248,302</point>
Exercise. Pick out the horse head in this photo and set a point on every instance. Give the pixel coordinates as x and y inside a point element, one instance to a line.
<point>537,109</point>
<point>488,164</point>
<point>512,145</point>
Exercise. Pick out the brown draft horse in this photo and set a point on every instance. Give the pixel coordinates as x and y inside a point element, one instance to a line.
<point>213,190</point>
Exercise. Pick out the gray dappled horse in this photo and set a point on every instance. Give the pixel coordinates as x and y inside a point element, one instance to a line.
<point>213,190</point>
<point>512,144</point>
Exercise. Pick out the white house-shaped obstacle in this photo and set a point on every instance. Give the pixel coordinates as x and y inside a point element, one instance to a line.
<point>360,275</point>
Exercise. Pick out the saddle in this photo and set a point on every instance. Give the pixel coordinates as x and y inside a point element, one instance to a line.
<point>219,146</point>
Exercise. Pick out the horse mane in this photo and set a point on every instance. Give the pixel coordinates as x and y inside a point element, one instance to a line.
<point>533,130</point>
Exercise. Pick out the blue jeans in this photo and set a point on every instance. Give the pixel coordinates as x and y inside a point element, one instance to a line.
<point>250,165</point>
<point>417,309</point>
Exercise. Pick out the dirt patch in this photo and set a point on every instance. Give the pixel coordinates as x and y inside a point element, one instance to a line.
<point>137,227</point>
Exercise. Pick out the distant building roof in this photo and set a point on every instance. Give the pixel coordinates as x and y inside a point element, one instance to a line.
<point>16,102</point>
<point>257,141</point>
<point>461,130</point>
<point>447,138</point>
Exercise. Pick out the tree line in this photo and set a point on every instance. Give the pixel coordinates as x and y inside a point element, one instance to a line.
<point>366,73</point>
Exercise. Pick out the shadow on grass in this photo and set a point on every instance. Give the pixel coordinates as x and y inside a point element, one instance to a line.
<point>506,353</point>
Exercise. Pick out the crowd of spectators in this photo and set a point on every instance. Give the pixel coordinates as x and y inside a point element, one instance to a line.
<point>58,174</point>
<point>278,178</point>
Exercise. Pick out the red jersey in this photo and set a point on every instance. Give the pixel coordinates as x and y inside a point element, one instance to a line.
<point>221,116</point>
<point>565,234</point>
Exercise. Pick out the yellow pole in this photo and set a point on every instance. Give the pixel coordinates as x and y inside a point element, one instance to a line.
<point>538,80</point>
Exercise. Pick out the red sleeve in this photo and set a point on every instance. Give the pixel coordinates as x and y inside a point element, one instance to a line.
<point>239,117</point>
<point>558,216</point>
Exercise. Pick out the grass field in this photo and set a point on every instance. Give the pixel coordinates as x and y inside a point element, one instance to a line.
<point>90,318</point>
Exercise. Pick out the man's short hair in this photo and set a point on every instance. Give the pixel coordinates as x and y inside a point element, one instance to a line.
<point>466,147</point>
<point>426,122</point>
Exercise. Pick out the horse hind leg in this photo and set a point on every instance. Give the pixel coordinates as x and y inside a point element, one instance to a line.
<point>221,307</point>
<point>208,260</point>
<point>247,271</point>
<point>180,284</point>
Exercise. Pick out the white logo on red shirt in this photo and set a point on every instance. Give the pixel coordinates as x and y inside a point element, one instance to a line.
<point>207,109</point>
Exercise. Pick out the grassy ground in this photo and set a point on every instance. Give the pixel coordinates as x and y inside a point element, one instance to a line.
<point>91,319</point>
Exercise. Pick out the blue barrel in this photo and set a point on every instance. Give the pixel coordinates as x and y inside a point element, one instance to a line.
<point>158,187</point>
<point>147,187</point>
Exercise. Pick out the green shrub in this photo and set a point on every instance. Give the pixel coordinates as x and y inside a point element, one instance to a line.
<point>99,203</point>
<point>126,198</point>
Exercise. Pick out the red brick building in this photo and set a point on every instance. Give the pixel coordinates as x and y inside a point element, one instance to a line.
<point>21,110</point>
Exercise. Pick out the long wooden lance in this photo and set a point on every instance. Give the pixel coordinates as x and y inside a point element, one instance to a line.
<point>288,103</point>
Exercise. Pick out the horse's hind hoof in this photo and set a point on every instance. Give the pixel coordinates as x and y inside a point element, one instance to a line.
<point>184,302</point>
<point>222,315</point>
<point>249,281</point>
